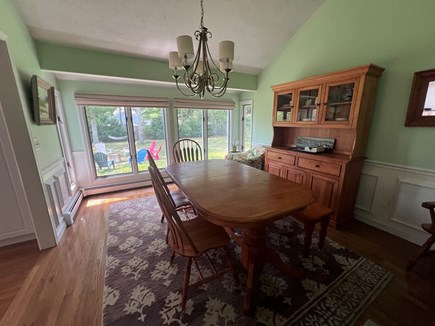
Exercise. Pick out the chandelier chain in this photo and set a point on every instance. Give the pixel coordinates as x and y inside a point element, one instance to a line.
<point>202,13</point>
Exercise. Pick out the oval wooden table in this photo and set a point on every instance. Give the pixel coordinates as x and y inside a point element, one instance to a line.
<point>234,195</point>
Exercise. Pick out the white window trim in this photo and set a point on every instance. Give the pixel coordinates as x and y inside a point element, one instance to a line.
<point>63,133</point>
<point>242,122</point>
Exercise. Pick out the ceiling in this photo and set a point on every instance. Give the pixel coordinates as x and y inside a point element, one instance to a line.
<point>148,28</point>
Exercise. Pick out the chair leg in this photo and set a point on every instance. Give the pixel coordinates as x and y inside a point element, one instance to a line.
<point>322,233</point>
<point>172,257</point>
<point>231,266</point>
<point>308,229</point>
<point>424,249</point>
<point>186,282</point>
<point>198,269</point>
<point>163,218</point>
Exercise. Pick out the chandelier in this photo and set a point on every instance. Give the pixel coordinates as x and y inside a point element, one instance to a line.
<point>202,74</point>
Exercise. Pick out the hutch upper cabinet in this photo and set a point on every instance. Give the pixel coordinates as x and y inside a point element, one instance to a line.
<point>336,106</point>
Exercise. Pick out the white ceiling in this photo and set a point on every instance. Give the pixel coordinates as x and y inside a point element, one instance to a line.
<point>148,28</point>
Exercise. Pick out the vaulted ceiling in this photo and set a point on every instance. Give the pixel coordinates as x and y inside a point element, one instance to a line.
<point>148,28</point>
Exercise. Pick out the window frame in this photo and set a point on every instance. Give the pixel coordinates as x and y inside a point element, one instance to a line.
<point>242,122</point>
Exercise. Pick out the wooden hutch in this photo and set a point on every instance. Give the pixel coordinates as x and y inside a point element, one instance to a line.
<point>337,106</point>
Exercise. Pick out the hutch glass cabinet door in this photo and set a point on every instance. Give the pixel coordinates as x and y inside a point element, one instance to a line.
<point>308,104</point>
<point>284,107</point>
<point>338,105</point>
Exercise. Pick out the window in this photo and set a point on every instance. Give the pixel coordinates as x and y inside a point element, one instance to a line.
<point>120,130</point>
<point>246,124</point>
<point>121,136</point>
<point>207,122</point>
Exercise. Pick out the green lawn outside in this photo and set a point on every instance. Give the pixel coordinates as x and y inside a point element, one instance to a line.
<point>217,147</point>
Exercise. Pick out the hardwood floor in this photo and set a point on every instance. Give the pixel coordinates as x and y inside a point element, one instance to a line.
<point>64,285</point>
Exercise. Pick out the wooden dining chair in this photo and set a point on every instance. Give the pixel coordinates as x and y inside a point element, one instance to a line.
<point>430,228</point>
<point>185,150</point>
<point>178,199</point>
<point>192,239</point>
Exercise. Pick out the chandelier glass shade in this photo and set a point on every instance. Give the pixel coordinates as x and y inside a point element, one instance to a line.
<point>200,74</point>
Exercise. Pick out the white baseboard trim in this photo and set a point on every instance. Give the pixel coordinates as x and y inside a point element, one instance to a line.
<point>88,191</point>
<point>416,237</point>
<point>23,238</point>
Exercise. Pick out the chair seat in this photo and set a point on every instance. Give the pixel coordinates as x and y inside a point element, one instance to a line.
<point>429,228</point>
<point>313,213</point>
<point>180,200</point>
<point>204,235</point>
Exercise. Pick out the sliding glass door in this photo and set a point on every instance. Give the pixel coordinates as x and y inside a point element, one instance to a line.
<point>217,133</point>
<point>120,137</point>
<point>149,134</point>
<point>210,128</point>
<point>190,125</point>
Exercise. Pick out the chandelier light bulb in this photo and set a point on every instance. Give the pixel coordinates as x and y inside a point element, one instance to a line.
<point>226,51</point>
<point>174,60</point>
<point>185,46</point>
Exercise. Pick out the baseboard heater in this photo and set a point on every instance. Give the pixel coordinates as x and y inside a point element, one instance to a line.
<point>88,191</point>
<point>73,206</point>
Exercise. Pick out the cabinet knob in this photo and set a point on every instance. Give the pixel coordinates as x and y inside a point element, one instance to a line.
<point>317,166</point>
<point>279,157</point>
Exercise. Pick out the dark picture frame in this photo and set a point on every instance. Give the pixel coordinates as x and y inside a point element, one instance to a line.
<point>44,112</point>
<point>419,91</point>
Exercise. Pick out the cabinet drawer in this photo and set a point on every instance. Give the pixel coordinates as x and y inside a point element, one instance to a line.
<point>320,166</point>
<point>284,158</point>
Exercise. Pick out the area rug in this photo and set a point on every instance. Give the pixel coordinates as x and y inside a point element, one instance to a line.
<point>143,288</point>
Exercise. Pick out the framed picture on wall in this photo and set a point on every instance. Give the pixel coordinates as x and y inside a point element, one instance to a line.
<point>44,111</point>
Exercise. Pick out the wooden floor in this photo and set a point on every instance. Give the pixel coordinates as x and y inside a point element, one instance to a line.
<point>64,285</point>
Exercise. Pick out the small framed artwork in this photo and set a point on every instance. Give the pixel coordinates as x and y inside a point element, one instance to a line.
<point>44,111</point>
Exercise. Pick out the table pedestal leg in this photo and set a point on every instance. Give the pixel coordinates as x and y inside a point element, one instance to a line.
<point>255,254</point>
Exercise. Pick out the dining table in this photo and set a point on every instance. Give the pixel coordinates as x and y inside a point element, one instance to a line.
<point>236,196</point>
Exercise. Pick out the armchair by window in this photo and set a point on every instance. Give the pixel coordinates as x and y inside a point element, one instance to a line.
<point>102,161</point>
<point>101,148</point>
<point>253,157</point>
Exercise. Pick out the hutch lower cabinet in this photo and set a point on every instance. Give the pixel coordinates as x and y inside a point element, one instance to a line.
<point>336,106</point>
<point>333,178</point>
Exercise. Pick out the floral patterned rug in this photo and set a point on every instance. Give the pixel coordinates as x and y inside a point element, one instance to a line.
<point>142,288</point>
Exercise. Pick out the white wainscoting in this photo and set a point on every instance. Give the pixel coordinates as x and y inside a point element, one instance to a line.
<point>15,215</point>
<point>56,184</point>
<point>390,197</point>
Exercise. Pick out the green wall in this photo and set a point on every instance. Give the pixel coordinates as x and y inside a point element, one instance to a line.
<point>57,57</point>
<point>24,56</point>
<point>394,34</point>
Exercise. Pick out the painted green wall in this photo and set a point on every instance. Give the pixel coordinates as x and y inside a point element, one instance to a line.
<point>56,57</point>
<point>68,88</point>
<point>394,34</point>
<point>24,56</point>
